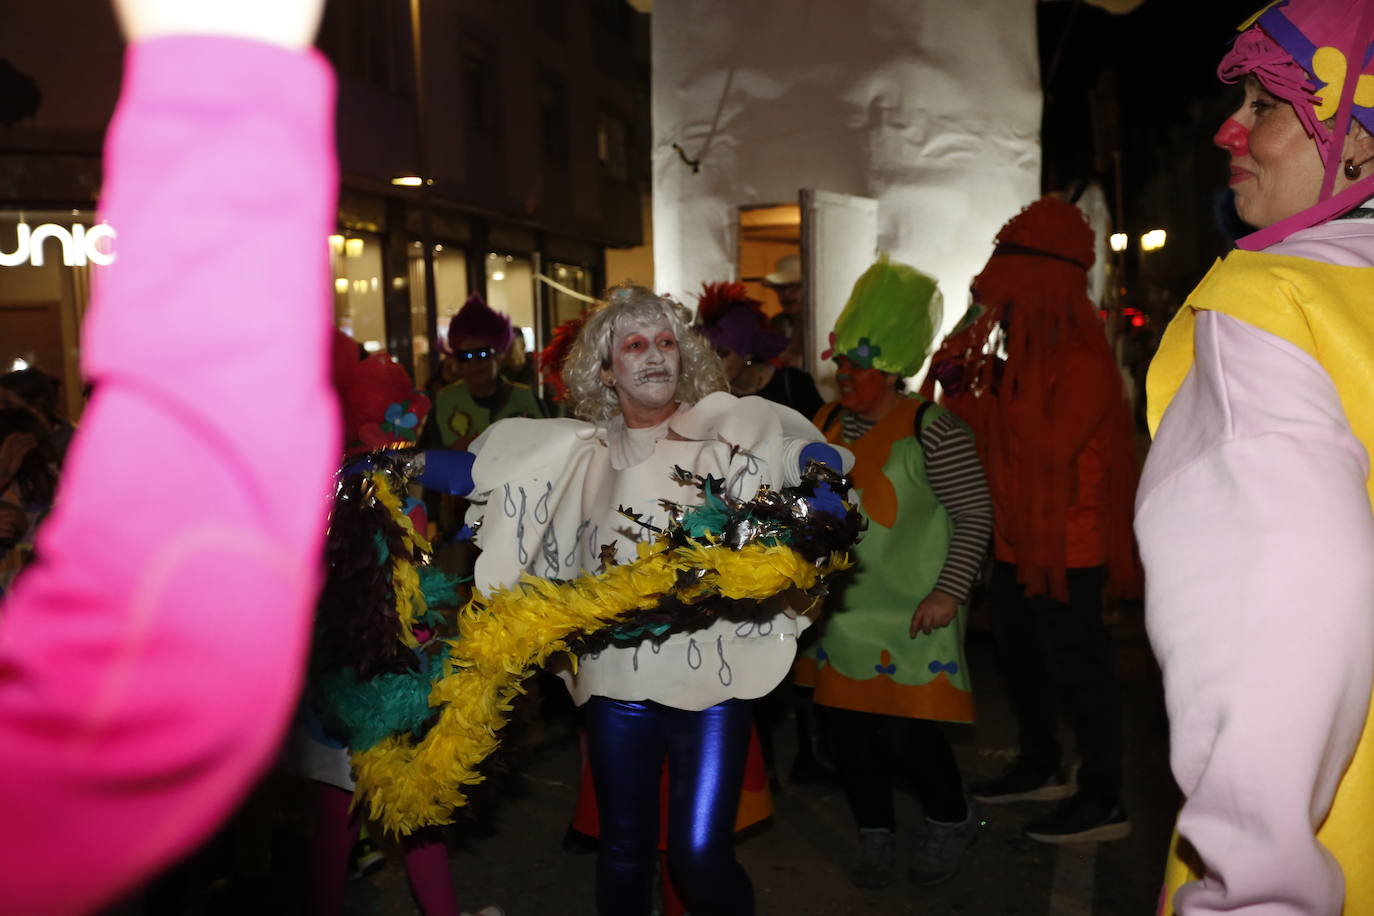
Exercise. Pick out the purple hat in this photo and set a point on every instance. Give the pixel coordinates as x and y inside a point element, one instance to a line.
<point>739,329</point>
<point>479,320</point>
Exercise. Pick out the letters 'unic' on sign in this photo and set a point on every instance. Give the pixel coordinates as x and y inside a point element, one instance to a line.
<point>80,245</point>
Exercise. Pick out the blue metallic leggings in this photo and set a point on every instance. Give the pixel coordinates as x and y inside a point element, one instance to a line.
<point>626,745</point>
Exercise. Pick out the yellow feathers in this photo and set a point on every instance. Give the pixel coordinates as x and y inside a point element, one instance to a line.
<point>502,638</point>
<point>755,571</point>
<point>405,579</point>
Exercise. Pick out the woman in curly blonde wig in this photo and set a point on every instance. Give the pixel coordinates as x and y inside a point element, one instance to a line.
<point>589,395</point>
<point>651,401</point>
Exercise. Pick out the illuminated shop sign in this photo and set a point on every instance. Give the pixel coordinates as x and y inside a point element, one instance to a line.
<point>80,245</point>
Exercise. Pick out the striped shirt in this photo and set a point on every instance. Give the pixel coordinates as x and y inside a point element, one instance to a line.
<point>854,426</point>
<point>956,478</point>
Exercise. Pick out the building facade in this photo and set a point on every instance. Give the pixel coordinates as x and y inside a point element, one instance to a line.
<point>497,148</point>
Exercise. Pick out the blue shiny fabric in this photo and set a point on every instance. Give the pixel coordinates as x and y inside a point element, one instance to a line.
<point>627,743</point>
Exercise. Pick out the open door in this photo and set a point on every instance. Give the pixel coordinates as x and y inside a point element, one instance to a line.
<point>839,240</point>
<point>768,233</point>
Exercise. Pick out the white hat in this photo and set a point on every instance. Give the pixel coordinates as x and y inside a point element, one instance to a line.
<point>787,270</point>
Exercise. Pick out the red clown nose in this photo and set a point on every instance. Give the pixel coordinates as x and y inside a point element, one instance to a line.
<point>1233,137</point>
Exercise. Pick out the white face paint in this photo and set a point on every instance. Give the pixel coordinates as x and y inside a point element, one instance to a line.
<point>645,363</point>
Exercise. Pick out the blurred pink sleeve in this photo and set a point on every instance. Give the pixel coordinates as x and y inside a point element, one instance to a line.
<point>150,660</point>
<point>1255,528</point>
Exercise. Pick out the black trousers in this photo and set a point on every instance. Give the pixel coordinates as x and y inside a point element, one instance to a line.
<point>1050,652</point>
<point>872,751</point>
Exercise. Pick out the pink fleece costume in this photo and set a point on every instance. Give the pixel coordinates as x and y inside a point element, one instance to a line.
<point>150,661</point>
<point>1254,523</point>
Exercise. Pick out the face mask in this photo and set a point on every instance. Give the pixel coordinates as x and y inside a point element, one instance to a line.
<point>645,362</point>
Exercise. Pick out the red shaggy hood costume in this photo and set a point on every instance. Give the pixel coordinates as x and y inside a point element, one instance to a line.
<point>381,408</point>
<point>1031,432</point>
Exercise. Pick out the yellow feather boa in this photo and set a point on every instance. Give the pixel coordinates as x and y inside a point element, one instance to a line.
<point>406,785</point>
<point>405,578</point>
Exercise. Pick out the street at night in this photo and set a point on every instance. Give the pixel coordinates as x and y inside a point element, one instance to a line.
<point>515,855</point>
<point>686,458</point>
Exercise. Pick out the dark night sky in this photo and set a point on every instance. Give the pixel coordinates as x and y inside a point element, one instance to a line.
<point>1164,55</point>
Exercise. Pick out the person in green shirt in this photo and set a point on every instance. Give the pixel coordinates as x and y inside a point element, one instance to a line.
<point>478,337</point>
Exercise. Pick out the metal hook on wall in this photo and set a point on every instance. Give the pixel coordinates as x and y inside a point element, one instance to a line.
<point>682,154</point>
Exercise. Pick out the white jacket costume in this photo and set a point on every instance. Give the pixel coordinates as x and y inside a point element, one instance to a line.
<point>547,493</point>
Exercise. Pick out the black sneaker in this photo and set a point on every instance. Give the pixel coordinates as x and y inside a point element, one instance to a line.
<point>1022,783</point>
<point>877,855</point>
<point>938,848</point>
<point>1081,820</point>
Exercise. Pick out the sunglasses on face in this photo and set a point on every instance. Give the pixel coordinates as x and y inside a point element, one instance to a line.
<point>467,356</point>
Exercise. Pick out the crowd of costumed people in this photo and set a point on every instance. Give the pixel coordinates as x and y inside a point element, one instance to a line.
<point>668,545</point>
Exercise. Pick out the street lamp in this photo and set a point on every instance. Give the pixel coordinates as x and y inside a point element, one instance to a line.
<point>1118,241</point>
<point>1153,240</point>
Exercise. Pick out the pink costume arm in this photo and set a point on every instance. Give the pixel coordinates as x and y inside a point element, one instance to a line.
<point>150,661</point>
<point>1256,532</point>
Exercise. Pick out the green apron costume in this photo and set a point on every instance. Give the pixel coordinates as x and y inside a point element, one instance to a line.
<point>866,659</point>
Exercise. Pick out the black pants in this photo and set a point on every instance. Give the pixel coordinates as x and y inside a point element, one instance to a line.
<point>1048,650</point>
<point>871,749</point>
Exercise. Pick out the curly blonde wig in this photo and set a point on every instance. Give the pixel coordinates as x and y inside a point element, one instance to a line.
<point>589,398</point>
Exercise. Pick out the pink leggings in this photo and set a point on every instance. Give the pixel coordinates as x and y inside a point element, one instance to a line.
<point>427,869</point>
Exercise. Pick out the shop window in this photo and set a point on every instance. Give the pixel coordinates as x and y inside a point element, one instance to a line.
<point>561,305</point>
<point>359,307</point>
<point>510,289</point>
<point>46,262</point>
<point>450,292</point>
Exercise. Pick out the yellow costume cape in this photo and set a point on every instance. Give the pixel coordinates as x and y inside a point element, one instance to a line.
<point>1328,312</point>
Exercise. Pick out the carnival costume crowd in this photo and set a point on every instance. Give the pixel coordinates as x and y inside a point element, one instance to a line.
<point>684,532</point>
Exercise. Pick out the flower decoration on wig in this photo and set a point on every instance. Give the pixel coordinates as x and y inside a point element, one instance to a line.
<point>1315,55</point>
<point>478,321</point>
<point>381,408</point>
